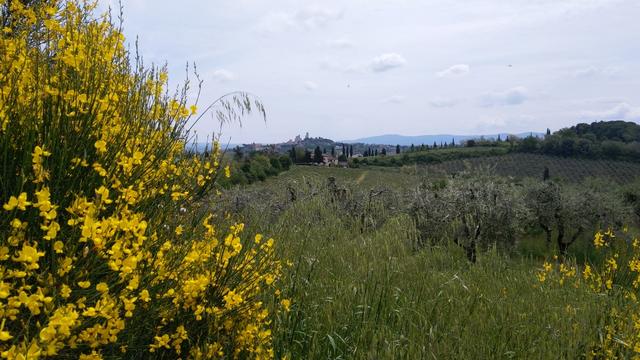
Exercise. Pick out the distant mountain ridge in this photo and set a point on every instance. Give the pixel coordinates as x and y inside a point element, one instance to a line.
<point>403,140</point>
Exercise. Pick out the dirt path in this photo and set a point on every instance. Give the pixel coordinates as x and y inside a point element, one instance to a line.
<point>361,177</point>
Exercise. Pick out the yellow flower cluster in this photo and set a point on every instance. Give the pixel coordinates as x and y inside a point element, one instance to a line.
<point>616,276</point>
<point>106,247</point>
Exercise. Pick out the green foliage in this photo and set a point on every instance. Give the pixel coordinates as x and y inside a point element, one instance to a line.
<point>475,211</point>
<point>430,156</point>
<point>598,140</point>
<point>616,140</point>
<point>317,155</point>
<point>256,167</point>
<point>570,211</point>
<point>369,292</point>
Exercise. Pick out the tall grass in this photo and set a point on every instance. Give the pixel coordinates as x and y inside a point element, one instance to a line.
<point>367,294</point>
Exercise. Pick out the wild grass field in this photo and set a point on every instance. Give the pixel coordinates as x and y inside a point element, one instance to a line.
<point>363,290</point>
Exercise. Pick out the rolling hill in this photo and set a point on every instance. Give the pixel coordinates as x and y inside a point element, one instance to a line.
<point>393,139</point>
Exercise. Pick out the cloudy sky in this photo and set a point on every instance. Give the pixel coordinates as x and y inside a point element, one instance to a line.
<point>356,68</point>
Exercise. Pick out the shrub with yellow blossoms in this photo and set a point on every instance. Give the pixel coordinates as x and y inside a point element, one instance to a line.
<point>106,247</point>
<point>614,278</point>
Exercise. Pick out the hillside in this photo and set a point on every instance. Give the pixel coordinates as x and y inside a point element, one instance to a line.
<point>622,131</point>
<point>532,165</point>
<point>615,140</point>
<point>516,165</point>
<point>402,140</point>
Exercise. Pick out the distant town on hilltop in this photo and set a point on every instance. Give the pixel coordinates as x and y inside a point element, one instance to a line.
<point>371,146</point>
<point>603,139</point>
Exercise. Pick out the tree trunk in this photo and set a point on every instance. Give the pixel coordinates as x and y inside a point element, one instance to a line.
<point>547,232</point>
<point>565,246</point>
<point>471,251</point>
<point>562,247</point>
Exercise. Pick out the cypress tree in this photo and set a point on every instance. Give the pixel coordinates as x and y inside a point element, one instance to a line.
<point>317,155</point>
<point>237,153</point>
<point>292,154</point>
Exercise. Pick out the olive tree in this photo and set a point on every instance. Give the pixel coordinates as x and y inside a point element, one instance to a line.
<point>475,211</point>
<point>573,210</point>
<point>543,200</point>
<point>428,209</point>
<point>631,196</point>
<point>484,210</point>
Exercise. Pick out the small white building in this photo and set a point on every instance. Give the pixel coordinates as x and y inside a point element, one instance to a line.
<point>329,160</point>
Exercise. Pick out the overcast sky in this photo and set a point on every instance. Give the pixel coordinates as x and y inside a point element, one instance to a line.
<point>356,68</point>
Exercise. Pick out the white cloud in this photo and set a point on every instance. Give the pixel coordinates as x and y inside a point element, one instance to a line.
<point>308,19</point>
<point>386,62</point>
<point>332,65</point>
<point>458,70</point>
<point>341,43</point>
<point>310,85</point>
<point>597,101</point>
<point>622,111</point>
<point>276,22</point>
<point>502,123</point>
<point>312,18</point>
<point>491,123</point>
<point>223,75</point>
<point>382,63</point>
<point>611,71</point>
<point>442,102</point>
<point>591,71</point>
<point>513,96</point>
<point>395,99</point>
<point>585,72</point>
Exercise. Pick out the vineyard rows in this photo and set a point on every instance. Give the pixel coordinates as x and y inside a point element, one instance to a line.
<point>531,165</point>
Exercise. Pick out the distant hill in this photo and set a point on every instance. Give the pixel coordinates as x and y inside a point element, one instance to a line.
<point>617,130</point>
<point>200,147</point>
<point>403,140</point>
<point>618,140</point>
